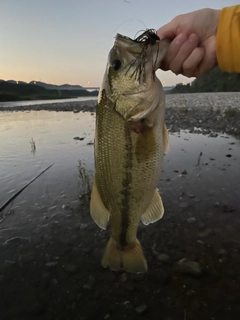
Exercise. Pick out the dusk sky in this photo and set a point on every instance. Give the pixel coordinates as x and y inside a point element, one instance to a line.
<point>65,41</point>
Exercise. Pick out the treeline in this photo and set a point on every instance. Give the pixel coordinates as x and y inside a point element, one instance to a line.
<point>26,91</point>
<point>212,81</point>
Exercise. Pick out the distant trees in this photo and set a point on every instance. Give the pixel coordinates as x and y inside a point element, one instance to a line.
<point>212,81</point>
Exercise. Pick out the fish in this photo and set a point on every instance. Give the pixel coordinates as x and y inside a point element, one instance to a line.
<point>129,145</point>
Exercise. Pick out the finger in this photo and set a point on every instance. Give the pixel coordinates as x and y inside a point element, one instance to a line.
<point>173,50</point>
<point>184,52</point>
<point>210,60</point>
<point>191,64</point>
<point>169,30</point>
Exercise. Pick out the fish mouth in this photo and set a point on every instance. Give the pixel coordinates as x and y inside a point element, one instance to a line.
<point>148,37</point>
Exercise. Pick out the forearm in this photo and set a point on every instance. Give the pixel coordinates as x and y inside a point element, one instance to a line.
<point>228,39</point>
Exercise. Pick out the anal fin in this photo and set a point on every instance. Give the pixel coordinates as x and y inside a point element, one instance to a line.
<point>155,210</point>
<point>98,211</point>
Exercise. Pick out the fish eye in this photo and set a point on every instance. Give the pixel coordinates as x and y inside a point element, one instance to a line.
<point>116,64</point>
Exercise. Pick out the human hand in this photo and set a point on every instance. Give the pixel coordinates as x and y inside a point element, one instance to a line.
<point>193,48</point>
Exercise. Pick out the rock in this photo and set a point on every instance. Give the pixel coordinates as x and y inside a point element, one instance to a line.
<point>183,204</point>
<point>205,233</point>
<point>18,240</point>
<point>213,135</point>
<point>78,138</point>
<point>162,257</point>
<point>7,265</point>
<point>191,220</point>
<point>81,226</point>
<point>227,208</point>
<point>123,277</point>
<point>228,155</point>
<point>54,282</point>
<point>51,264</point>
<point>90,284</point>
<point>71,268</point>
<point>192,196</point>
<point>184,172</point>
<point>66,207</point>
<point>141,309</point>
<point>189,267</point>
<point>222,253</point>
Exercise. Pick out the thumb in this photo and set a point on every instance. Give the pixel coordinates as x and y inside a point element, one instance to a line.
<point>169,30</point>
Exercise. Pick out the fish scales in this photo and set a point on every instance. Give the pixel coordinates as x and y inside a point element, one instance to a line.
<point>128,165</point>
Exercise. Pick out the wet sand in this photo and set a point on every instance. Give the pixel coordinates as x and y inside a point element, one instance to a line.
<point>50,252</point>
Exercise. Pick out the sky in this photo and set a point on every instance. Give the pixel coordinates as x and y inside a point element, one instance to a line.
<point>67,41</point>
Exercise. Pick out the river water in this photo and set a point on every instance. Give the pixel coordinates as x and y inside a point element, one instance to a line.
<point>37,102</point>
<point>54,132</point>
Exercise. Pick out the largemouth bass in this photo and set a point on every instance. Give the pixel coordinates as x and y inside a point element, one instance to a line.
<point>130,140</point>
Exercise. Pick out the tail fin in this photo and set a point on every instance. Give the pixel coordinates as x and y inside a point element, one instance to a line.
<point>130,258</point>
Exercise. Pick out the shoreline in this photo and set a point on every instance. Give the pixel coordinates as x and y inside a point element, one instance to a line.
<point>205,113</point>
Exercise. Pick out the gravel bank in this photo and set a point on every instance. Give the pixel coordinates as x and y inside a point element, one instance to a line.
<point>198,112</point>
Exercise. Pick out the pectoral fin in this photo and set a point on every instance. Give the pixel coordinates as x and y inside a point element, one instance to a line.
<point>155,210</point>
<point>98,211</point>
<point>165,139</point>
<point>146,144</point>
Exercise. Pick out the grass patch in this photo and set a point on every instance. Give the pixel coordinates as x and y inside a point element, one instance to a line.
<point>86,179</point>
<point>231,112</point>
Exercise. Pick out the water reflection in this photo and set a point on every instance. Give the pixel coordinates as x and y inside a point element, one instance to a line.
<point>52,133</point>
<point>36,102</point>
<point>65,138</point>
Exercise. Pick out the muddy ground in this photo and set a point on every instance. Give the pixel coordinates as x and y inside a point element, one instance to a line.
<point>50,260</point>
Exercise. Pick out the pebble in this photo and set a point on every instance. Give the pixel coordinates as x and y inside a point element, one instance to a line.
<point>66,207</point>
<point>184,172</point>
<point>141,309</point>
<point>79,138</point>
<point>162,257</point>
<point>51,264</point>
<point>213,135</point>
<point>90,284</point>
<point>227,208</point>
<point>54,282</point>
<point>191,195</point>
<point>183,204</point>
<point>189,267</point>
<point>205,233</point>
<point>71,268</point>
<point>191,220</point>
<point>123,277</point>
